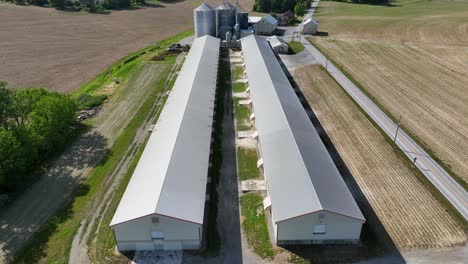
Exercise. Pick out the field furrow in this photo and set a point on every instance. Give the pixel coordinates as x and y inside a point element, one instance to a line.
<point>411,216</point>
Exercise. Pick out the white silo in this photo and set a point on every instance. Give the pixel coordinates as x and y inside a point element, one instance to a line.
<point>204,18</point>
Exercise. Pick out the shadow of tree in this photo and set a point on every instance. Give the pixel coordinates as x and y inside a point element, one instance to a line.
<point>49,199</point>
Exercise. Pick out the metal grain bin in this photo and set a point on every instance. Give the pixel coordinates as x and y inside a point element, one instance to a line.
<point>243,20</point>
<point>225,16</point>
<point>204,18</point>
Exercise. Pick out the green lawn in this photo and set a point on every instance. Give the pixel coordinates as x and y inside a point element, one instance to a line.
<point>237,72</point>
<point>52,243</point>
<point>238,87</point>
<point>242,114</point>
<point>247,163</point>
<point>255,225</point>
<point>295,47</point>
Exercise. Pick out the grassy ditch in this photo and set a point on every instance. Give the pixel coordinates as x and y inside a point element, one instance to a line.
<point>237,72</point>
<point>429,186</point>
<point>122,67</point>
<point>247,163</point>
<point>295,47</point>
<point>242,115</point>
<point>52,243</point>
<point>255,225</point>
<point>423,145</point>
<point>238,87</point>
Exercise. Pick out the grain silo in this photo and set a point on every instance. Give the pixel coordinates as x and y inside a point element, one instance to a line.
<point>243,19</point>
<point>204,18</point>
<point>225,17</point>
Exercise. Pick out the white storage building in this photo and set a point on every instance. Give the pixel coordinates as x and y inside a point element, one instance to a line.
<point>164,203</point>
<point>278,45</point>
<point>308,199</point>
<point>265,26</point>
<point>310,26</point>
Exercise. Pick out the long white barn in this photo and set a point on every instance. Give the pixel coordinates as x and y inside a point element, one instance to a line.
<point>164,203</point>
<point>310,202</point>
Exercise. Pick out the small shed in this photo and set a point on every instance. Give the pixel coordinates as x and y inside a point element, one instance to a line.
<point>266,25</point>
<point>278,45</point>
<point>310,26</point>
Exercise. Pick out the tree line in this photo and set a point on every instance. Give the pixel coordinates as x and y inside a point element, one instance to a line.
<point>34,125</point>
<point>87,5</point>
<point>299,7</point>
<point>280,6</point>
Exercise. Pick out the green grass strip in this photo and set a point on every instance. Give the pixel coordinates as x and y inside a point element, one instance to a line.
<point>247,164</point>
<point>295,47</point>
<point>255,225</point>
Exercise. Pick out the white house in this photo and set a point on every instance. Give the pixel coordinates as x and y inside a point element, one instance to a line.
<point>307,198</point>
<point>266,25</point>
<point>278,45</point>
<point>164,203</point>
<point>310,26</point>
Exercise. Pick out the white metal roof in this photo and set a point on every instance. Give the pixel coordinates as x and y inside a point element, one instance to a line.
<point>310,20</point>
<point>271,19</point>
<point>301,176</point>
<point>170,178</point>
<point>276,41</point>
<point>254,19</point>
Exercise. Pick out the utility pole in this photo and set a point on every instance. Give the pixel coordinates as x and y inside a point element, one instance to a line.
<point>398,128</point>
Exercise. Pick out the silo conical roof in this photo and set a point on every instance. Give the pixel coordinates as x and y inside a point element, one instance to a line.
<point>204,7</point>
<point>225,6</point>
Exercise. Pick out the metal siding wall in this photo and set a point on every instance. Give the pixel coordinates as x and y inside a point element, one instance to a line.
<point>338,228</point>
<point>136,234</point>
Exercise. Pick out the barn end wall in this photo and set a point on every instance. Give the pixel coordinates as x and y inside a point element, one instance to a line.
<point>178,234</point>
<point>299,230</point>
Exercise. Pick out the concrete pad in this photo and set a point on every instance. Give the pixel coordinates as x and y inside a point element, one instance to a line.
<point>241,95</point>
<point>157,257</point>
<point>253,185</point>
<point>245,134</point>
<point>244,102</point>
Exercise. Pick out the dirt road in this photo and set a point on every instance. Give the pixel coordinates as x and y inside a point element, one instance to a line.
<point>34,207</point>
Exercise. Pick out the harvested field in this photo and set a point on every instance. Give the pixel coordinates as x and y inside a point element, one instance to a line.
<point>62,50</point>
<point>412,60</point>
<point>410,215</point>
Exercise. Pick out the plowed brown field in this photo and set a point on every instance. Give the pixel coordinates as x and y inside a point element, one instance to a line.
<point>413,59</point>
<point>411,216</point>
<point>62,50</point>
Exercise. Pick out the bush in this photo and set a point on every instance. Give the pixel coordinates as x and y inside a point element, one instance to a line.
<point>86,101</point>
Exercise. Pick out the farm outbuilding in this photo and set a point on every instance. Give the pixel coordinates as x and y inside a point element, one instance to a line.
<point>278,45</point>
<point>307,198</point>
<point>265,26</point>
<point>164,203</point>
<point>310,26</point>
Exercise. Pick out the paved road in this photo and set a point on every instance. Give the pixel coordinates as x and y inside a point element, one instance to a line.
<point>455,193</point>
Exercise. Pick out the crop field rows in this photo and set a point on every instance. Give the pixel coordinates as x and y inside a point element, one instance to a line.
<point>426,85</point>
<point>410,215</point>
<point>411,58</point>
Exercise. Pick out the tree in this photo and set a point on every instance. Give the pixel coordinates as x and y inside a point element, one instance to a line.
<point>299,9</point>
<point>5,106</point>
<point>51,119</point>
<point>57,3</point>
<point>11,163</point>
